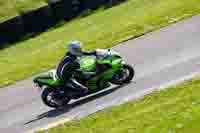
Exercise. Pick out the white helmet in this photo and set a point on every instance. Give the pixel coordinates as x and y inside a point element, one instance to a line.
<point>75,48</point>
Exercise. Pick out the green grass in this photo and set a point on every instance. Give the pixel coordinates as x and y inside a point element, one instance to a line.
<point>174,110</point>
<point>100,30</point>
<point>12,8</point>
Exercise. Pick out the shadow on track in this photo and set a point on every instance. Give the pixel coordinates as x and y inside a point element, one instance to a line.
<point>57,112</point>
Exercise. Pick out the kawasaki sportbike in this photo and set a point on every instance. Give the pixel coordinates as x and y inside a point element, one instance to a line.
<point>113,71</point>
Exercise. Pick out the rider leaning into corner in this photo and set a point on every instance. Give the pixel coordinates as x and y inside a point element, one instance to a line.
<point>69,63</point>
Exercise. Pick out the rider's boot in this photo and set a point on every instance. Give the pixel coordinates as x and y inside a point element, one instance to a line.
<point>106,85</point>
<point>83,89</point>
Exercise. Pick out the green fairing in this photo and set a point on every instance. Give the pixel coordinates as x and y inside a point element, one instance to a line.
<point>87,63</point>
<point>96,73</point>
<point>49,79</point>
<point>48,82</point>
<point>115,62</point>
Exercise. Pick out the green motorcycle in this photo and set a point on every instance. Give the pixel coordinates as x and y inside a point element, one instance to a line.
<point>114,71</point>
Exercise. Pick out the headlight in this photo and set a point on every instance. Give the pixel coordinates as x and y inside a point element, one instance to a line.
<point>123,62</point>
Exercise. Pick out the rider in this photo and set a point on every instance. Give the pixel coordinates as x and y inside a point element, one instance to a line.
<point>69,63</point>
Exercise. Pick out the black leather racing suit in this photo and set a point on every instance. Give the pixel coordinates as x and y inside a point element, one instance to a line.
<point>67,66</point>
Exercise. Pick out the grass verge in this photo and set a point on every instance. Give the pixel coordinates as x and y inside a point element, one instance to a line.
<point>99,30</point>
<point>12,8</point>
<point>174,110</point>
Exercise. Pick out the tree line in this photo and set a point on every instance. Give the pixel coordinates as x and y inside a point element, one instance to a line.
<point>32,23</point>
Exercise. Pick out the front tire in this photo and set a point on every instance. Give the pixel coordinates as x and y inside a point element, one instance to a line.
<point>53,102</point>
<point>120,77</point>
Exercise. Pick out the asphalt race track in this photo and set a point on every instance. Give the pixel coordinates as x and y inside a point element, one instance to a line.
<point>159,58</point>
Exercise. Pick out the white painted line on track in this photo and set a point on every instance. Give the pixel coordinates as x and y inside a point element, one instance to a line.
<point>161,87</point>
<point>51,125</point>
<point>133,97</point>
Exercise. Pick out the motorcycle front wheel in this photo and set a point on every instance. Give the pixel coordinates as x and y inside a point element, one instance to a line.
<point>50,98</point>
<point>123,76</point>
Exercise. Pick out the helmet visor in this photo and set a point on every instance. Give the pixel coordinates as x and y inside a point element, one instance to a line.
<point>77,51</point>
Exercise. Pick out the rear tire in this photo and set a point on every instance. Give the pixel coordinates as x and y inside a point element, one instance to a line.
<point>53,104</point>
<point>127,79</point>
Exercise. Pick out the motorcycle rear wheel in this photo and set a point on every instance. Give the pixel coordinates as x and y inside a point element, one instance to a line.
<point>54,102</point>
